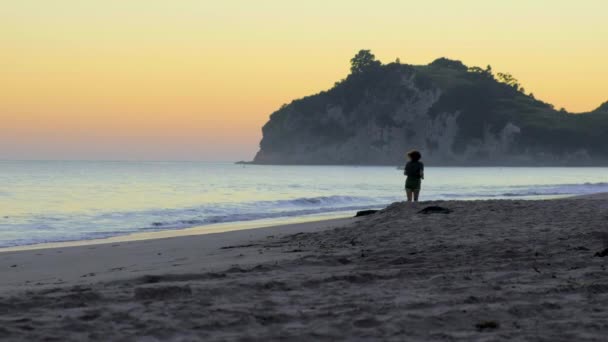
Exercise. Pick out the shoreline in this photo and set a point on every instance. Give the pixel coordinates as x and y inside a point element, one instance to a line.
<point>67,264</point>
<point>223,233</point>
<point>217,228</point>
<point>485,270</point>
<point>232,226</point>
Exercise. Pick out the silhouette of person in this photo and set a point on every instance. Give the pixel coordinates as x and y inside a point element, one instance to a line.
<point>414,170</point>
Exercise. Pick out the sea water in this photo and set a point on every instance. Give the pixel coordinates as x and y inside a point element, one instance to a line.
<point>53,201</point>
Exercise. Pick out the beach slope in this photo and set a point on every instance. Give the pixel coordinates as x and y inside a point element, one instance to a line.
<point>487,270</point>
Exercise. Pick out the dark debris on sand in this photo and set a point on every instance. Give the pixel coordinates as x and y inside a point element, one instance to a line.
<point>434,209</point>
<point>365,213</point>
<point>487,325</point>
<point>602,253</point>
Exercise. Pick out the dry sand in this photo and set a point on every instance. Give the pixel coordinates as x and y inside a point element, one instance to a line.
<point>487,271</point>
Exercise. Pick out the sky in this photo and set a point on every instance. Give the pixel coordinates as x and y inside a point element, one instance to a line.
<point>197,79</point>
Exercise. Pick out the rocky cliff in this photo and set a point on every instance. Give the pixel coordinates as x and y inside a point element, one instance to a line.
<point>454,114</point>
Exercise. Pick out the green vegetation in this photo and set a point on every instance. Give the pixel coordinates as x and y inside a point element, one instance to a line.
<point>485,101</point>
<point>364,61</point>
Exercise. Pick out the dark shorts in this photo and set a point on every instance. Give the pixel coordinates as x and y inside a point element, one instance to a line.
<point>412,184</point>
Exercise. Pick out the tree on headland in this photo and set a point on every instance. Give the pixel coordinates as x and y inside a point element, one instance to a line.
<point>363,61</point>
<point>489,71</point>
<point>476,70</point>
<point>509,80</point>
<point>447,63</point>
<point>484,72</point>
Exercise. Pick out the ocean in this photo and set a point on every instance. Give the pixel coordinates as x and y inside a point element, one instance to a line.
<point>55,201</point>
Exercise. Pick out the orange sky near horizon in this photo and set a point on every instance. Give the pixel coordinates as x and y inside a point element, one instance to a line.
<point>196,80</point>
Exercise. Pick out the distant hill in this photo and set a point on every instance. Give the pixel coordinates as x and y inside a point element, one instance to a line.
<point>454,114</point>
<point>603,108</point>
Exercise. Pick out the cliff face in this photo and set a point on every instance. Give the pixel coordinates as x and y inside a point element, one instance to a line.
<point>454,114</point>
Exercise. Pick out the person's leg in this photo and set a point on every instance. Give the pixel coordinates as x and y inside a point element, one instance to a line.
<point>416,194</point>
<point>409,194</point>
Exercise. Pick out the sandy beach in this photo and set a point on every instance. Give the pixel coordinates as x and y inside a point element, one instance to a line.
<point>485,271</point>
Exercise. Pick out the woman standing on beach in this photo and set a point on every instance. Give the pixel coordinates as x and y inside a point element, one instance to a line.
<point>414,170</point>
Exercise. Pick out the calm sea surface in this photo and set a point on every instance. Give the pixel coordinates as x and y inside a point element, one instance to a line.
<point>61,201</point>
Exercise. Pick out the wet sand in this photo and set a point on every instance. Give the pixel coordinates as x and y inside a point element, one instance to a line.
<point>488,270</point>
